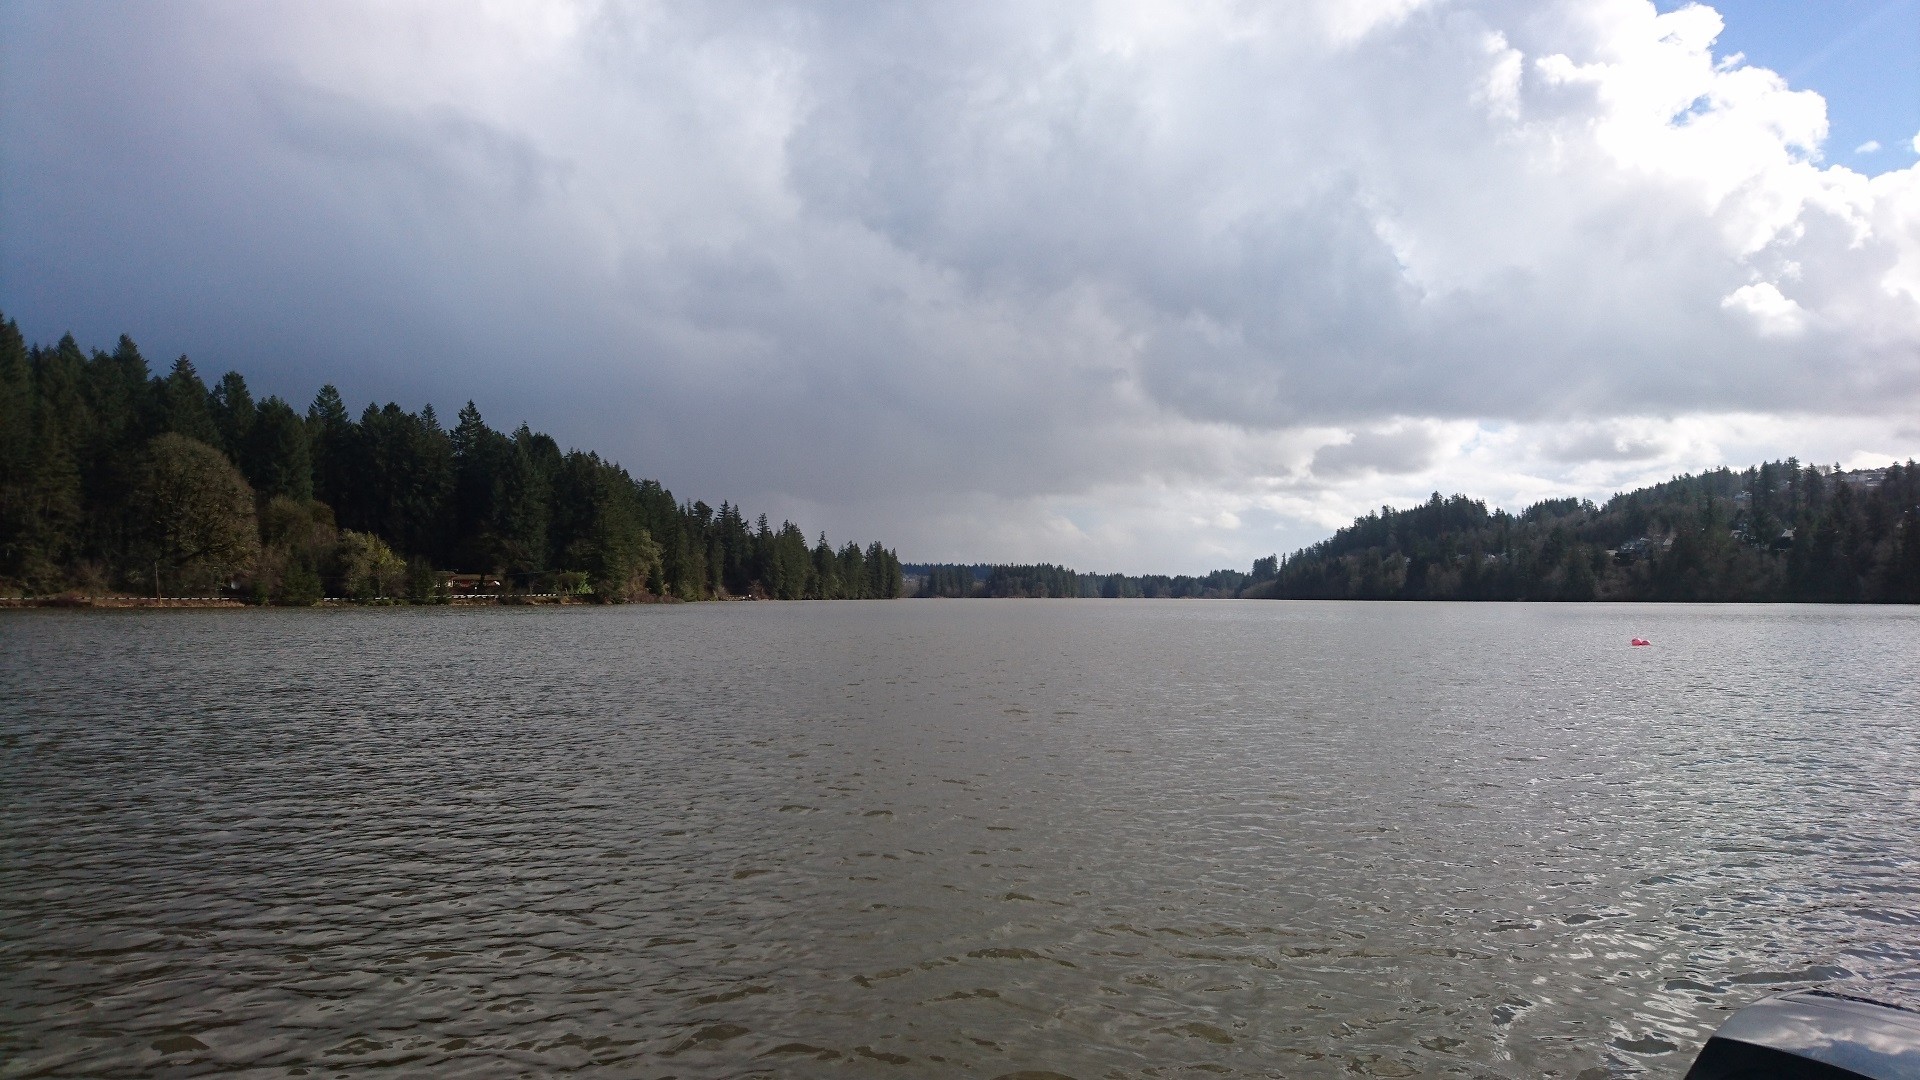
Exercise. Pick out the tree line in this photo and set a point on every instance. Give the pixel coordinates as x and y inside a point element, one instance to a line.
<point>1046,580</point>
<point>113,479</point>
<point>1783,531</point>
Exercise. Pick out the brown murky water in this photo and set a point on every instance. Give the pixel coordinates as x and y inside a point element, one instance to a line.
<point>1099,838</point>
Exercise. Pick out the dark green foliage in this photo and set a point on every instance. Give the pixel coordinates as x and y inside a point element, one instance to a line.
<point>1782,531</point>
<point>185,408</point>
<point>231,406</point>
<point>606,537</point>
<point>193,517</point>
<point>1045,580</point>
<point>787,563</point>
<point>376,507</point>
<point>948,581</point>
<point>884,578</point>
<point>1219,583</point>
<point>425,585</point>
<point>276,454</point>
<point>299,586</point>
<point>23,517</point>
<point>330,439</point>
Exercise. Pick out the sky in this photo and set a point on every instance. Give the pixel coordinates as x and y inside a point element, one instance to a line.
<point>1862,56</point>
<point>1130,286</point>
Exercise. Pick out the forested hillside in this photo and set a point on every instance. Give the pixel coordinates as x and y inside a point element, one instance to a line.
<point>113,479</point>
<point>1782,531</point>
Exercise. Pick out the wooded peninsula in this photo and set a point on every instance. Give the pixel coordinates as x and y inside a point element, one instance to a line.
<point>116,481</point>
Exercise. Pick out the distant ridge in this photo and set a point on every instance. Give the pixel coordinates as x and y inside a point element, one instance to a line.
<point>1782,531</point>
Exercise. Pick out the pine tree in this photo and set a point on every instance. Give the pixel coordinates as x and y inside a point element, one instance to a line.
<point>233,414</point>
<point>330,434</point>
<point>186,408</point>
<point>17,457</point>
<point>277,458</point>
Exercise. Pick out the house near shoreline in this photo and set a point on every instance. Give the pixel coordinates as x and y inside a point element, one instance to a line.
<point>470,584</point>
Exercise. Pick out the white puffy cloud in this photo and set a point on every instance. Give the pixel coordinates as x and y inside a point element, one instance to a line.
<point>1773,314</point>
<point>1136,285</point>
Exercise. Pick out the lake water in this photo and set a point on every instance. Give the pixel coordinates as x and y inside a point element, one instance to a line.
<point>966,838</point>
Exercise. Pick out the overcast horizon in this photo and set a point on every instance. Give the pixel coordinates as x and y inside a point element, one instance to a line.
<point>1140,287</point>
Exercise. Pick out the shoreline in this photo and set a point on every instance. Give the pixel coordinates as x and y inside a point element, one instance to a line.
<point>128,603</point>
<point>149,603</point>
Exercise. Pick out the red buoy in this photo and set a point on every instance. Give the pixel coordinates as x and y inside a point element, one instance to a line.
<point>1639,641</point>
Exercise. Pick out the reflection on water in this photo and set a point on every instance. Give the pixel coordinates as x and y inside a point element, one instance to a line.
<point>1099,838</point>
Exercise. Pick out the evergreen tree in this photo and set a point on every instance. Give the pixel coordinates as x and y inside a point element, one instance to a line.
<point>521,509</point>
<point>330,434</point>
<point>826,572</point>
<point>233,414</point>
<point>54,500</point>
<point>18,459</point>
<point>185,405</point>
<point>277,458</point>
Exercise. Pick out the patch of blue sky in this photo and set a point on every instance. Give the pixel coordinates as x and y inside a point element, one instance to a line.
<point>1863,56</point>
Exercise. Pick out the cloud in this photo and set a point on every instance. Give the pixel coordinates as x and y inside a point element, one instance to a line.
<point>1397,452</point>
<point>1772,313</point>
<point>1613,441</point>
<point>1868,147</point>
<point>441,150</point>
<point>1147,286</point>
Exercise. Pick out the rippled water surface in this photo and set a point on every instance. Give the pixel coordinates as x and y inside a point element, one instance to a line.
<point>1098,838</point>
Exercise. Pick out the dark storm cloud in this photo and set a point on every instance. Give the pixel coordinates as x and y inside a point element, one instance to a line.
<point>1102,282</point>
<point>441,151</point>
